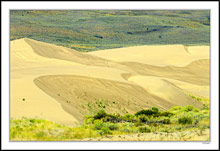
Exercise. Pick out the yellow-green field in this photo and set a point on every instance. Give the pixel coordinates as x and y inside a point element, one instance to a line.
<point>178,123</point>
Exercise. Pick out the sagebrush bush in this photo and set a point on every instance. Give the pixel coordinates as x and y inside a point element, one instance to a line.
<point>143,118</point>
<point>100,114</point>
<point>138,123</point>
<point>185,120</point>
<point>189,108</point>
<point>145,112</point>
<point>128,117</point>
<point>112,126</point>
<point>98,124</point>
<point>89,120</point>
<point>105,130</point>
<point>166,121</point>
<point>155,109</point>
<point>144,129</point>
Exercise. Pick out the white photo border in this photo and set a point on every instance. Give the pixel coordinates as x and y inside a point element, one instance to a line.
<point>214,44</point>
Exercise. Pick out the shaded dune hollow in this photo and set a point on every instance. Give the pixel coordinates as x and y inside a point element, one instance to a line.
<point>80,95</point>
<point>196,72</point>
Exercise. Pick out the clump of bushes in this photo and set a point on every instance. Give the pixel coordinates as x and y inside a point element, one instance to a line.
<point>144,129</point>
<point>166,121</point>
<point>112,126</point>
<point>98,124</point>
<point>154,111</point>
<point>105,130</point>
<point>185,120</point>
<point>101,114</point>
<point>102,123</point>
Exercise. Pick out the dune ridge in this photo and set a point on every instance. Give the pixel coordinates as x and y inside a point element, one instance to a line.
<point>73,82</point>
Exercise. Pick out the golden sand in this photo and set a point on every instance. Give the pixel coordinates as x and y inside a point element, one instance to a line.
<point>57,83</point>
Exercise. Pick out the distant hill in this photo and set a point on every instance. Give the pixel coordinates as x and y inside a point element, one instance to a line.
<point>105,29</point>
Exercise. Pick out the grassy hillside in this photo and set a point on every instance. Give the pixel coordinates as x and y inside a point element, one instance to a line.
<point>104,29</point>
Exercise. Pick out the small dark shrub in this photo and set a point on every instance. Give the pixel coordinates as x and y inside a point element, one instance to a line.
<point>142,118</point>
<point>145,112</point>
<point>166,121</point>
<point>101,114</point>
<point>155,109</point>
<point>166,114</point>
<point>112,126</point>
<point>137,124</point>
<point>98,125</point>
<point>128,117</point>
<point>185,120</point>
<point>105,130</point>
<point>144,129</point>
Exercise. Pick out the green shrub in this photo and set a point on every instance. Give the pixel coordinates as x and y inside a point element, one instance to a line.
<point>112,126</point>
<point>89,120</point>
<point>142,118</point>
<point>148,112</point>
<point>155,110</point>
<point>185,120</point>
<point>144,129</point>
<point>105,130</point>
<point>166,121</point>
<point>189,108</point>
<point>101,114</point>
<point>128,117</point>
<point>145,112</point>
<point>98,124</point>
<point>126,129</point>
<point>166,114</point>
<point>164,130</point>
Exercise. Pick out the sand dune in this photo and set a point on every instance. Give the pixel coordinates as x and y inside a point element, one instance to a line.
<point>58,52</point>
<point>63,85</point>
<point>196,72</point>
<point>163,89</point>
<point>75,92</point>
<point>161,55</point>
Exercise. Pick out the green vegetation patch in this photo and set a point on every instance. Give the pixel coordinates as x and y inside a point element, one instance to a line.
<point>176,119</point>
<point>90,30</point>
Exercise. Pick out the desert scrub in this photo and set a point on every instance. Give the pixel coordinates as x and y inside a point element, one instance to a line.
<point>176,119</point>
<point>26,129</point>
<point>185,120</point>
<point>104,131</point>
<point>98,124</point>
<point>144,129</point>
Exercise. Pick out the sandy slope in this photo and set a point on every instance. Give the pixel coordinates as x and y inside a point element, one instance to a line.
<point>196,72</point>
<point>26,65</point>
<point>163,89</point>
<point>161,55</point>
<point>76,82</point>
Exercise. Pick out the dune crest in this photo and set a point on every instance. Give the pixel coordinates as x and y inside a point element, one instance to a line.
<point>161,55</point>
